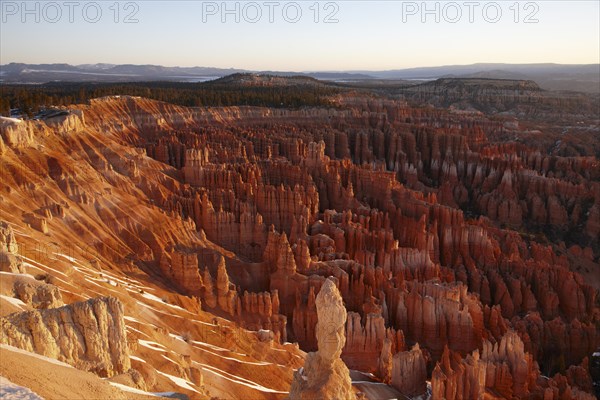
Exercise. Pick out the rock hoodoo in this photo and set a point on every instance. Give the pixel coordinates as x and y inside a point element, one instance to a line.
<point>325,376</point>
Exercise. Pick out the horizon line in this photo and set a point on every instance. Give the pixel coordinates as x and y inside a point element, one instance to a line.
<point>483,63</point>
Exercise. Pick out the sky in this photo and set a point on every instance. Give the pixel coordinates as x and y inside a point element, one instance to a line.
<point>299,36</point>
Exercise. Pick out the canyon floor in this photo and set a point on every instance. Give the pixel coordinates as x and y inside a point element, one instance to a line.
<point>155,250</point>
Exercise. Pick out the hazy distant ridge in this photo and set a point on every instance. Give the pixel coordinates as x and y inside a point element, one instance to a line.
<point>577,77</point>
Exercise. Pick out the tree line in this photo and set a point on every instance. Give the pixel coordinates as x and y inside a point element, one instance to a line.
<point>30,99</point>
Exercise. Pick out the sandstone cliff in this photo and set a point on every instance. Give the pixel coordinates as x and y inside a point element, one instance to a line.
<point>88,335</point>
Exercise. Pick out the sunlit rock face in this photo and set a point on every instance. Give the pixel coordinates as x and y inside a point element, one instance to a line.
<point>324,375</point>
<point>89,335</point>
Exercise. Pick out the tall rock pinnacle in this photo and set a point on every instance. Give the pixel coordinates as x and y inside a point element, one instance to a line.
<point>325,376</point>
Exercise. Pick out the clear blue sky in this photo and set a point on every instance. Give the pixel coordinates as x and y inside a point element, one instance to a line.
<point>374,35</point>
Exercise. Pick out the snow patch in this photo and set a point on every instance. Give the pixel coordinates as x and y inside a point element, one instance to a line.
<point>11,120</point>
<point>137,359</point>
<point>131,328</point>
<point>168,359</point>
<point>11,391</point>
<point>150,296</point>
<point>95,282</point>
<point>179,382</point>
<point>152,345</point>
<point>177,337</point>
<point>237,379</point>
<point>130,389</point>
<point>212,346</point>
<point>161,311</point>
<point>72,259</point>
<point>259,363</point>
